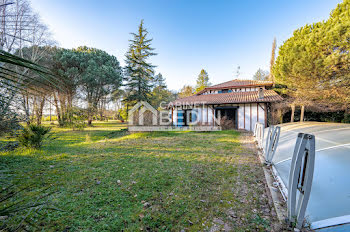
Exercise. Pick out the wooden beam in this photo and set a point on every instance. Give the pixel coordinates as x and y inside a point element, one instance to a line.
<point>172,116</point>
<point>208,115</point>
<point>212,109</point>
<point>250,121</point>
<point>257,112</point>
<point>265,111</point>
<point>244,115</point>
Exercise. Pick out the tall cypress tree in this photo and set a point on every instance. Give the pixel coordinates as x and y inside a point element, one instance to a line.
<point>272,60</point>
<point>139,73</point>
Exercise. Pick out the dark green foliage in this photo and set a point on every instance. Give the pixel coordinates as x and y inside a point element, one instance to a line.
<point>160,95</point>
<point>9,146</point>
<point>94,72</point>
<point>346,118</point>
<point>337,116</point>
<point>9,119</point>
<point>138,72</point>
<point>33,136</point>
<point>78,119</point>
<point>21,205</point>
<point>315,62</point>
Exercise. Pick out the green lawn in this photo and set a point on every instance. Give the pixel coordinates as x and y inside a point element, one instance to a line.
<point>105,179</point>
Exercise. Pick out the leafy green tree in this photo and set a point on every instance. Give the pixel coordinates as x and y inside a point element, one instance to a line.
<point>202,81</point>
<point>160,93</point>
<point>100,75</point>
<point>186,91</point>
<point>65,63</point>
<point>139,73</point>
<point>261,75</point>
<point>96,75</point>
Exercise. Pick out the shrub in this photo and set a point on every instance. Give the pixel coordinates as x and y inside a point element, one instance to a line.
<point>33,136</point>
<point>226,124</point>
<point>346,118</point>
<point>9,119</point>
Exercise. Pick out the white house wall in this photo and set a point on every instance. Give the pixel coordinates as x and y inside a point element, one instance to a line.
<point>241,116</point>
<point>247,117</point>
<point>254,115</point>
<point>248,114</point>
<point>262,113</point>
<point>175,117</point>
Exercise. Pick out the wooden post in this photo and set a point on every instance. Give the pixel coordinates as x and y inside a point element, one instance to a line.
<point>265,112</point>
<point>208,115</point>
<point>244,115</point>
<point>302,113</point>
<point>212,110</point>
<point>292,115</point>
<point>172,116</point>
<point>250,118</point>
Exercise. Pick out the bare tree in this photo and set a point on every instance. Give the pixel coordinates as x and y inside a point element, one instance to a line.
<point>24,34</point>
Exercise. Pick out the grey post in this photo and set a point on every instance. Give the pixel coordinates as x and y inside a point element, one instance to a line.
<point>300,178</point>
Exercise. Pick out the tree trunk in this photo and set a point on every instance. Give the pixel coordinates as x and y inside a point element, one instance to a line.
<point>40,111</point>
<point>292,115</point>
<point>279,116</point>
<point>57,109</point>
<point>302,113</point>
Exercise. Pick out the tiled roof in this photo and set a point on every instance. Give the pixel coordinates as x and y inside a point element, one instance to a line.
<point>233,97</point>
<point>240,83</point>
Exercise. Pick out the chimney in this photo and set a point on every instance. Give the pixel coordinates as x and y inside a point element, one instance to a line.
<point>261,93</point>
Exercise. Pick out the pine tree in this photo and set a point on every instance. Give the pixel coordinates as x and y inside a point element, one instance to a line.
<point>202,81</point>
<point>186,91</point>
<point>160,93</point>
<point>159,81</point>
<point>139,73</point>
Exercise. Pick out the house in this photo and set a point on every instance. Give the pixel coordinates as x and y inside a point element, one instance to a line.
<point>245,102</point>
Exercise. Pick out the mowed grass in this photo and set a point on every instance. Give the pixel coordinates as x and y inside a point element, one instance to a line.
<point>105,179</point>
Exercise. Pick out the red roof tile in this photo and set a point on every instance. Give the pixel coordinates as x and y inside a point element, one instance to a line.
<point>238,84</point>
<point>241,83</point>
<point>226,98</point>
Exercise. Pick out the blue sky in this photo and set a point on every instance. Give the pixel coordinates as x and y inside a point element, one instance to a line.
<point>188,35</point>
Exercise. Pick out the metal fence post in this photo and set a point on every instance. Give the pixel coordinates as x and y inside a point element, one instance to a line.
<point>300,178</point>
<point>272,144</point>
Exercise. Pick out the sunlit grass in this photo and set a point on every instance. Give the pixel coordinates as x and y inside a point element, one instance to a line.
<point>108,179</point>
